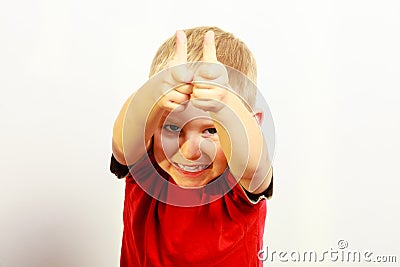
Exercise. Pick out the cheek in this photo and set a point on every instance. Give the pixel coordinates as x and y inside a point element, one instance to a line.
<point>220,164</point>
<point>220,158</point>
<point>166,145</point>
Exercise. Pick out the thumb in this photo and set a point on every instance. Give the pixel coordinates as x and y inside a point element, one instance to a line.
<point>209,50</point>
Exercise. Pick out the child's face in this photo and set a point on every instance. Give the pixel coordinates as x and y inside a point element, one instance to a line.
<point>187,147</point>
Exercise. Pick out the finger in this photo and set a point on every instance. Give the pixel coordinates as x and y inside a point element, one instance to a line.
<point>212,72</point>
<point>209,50</point>
<point>211,75</point>
<point>181,74</point>
<point>185,89</point>
<point>174,101</point>
<point>206,104</point>
<point>176,97</point>
<point>171,106</point>
<point>180,53</point>
<point>205,93</point>
<point>176,75</point>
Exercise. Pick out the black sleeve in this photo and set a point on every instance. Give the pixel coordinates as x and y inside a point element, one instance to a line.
<point>117,168</point>
<point>267,193</point>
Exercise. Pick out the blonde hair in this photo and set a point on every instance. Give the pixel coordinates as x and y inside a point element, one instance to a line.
<point>231,52</point>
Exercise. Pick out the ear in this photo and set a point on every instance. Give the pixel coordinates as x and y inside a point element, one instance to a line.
<point>259,115</point>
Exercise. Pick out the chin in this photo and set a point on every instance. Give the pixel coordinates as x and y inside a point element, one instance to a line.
<point>190,182</point>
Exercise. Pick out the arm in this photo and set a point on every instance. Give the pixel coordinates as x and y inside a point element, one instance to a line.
<point>238,130</point>
<point>140,115</point>
<point>131,139</point>
<point>248,155</point>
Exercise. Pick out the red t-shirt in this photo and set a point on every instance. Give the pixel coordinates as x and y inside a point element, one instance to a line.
<point>227,231</point>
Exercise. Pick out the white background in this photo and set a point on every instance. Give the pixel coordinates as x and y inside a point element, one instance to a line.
<point>329,71</point>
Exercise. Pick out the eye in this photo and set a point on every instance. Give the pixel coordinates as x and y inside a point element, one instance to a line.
<point>172,128</point>
<point>211,131</point>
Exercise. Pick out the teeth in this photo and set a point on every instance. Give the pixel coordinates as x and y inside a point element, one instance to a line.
<point>192,168</point>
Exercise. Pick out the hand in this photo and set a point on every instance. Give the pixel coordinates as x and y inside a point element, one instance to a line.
<point>176,76</point>
<point>207,94</point>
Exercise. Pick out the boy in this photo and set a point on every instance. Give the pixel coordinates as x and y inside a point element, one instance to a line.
<point>199,167</point>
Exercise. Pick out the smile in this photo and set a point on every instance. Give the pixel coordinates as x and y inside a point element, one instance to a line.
<point>191,168</point>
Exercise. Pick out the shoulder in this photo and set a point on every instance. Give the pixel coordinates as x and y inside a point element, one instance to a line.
<point>117,168</point>
<point>121,170</point>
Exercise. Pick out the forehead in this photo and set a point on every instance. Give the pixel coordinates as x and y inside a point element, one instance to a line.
<point>188,114</point>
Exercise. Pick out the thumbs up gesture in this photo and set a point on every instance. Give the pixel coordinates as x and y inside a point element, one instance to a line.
<point>210,81</point>
<point>204,84</point>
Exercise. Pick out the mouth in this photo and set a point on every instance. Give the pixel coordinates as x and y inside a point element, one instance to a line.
<point>191,168</point>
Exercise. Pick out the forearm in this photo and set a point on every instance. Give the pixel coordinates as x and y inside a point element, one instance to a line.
<point>243,144</point>
<point>134,126</point>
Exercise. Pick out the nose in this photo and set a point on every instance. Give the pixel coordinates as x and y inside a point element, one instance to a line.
<point>190,147</point>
